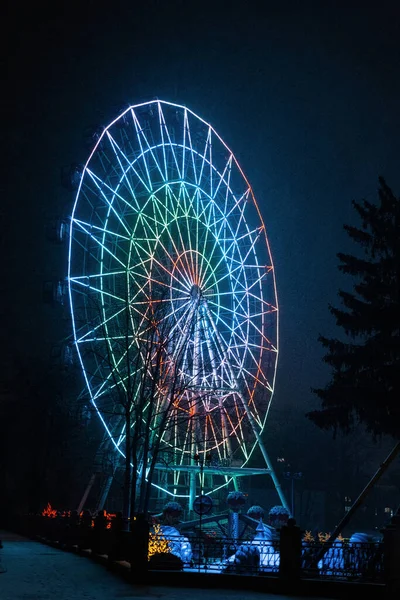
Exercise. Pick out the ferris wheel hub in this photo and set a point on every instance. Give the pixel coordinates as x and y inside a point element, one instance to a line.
<point>196,292</point>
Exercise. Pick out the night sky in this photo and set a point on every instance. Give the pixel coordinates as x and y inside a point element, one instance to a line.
<point>306,95</point>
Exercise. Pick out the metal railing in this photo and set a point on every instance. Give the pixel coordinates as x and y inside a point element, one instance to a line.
<point>346,561</point>
<point>219,555</point>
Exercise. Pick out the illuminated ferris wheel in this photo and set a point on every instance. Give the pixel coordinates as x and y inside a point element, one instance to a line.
<point>164,214</point>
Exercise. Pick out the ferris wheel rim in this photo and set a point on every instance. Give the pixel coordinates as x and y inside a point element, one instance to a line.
<point>186,110</point>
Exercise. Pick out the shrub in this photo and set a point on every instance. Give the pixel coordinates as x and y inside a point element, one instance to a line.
<point>256,512</point>
<point>164,561</point>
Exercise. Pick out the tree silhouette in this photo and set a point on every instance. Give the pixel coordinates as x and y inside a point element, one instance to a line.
<point>365,382</point>
<point>137,360</point>
<point>45,447</point>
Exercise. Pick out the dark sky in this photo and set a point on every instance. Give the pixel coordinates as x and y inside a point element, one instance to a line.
<point>306,95</point>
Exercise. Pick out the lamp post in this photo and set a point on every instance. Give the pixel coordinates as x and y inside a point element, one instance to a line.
<point>202,504</point>
<point>292,476</point>
<point>202,461</point>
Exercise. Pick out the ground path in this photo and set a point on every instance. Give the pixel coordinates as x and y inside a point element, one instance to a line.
<point>30,570</point>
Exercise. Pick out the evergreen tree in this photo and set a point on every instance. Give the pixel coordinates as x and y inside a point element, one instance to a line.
<point>365,381</point>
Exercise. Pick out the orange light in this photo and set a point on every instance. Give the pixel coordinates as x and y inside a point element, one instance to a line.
<point>49,512</point>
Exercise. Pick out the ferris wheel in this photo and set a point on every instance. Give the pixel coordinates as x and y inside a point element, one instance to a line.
<point>164,214</point>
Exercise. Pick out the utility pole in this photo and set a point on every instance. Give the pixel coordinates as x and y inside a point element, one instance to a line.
<point>339,528</point>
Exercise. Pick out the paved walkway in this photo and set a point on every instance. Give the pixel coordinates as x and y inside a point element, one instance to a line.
<point>30,570</point>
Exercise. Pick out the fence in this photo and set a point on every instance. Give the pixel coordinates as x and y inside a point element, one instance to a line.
<point>343,561</point>
<point>360,561</point>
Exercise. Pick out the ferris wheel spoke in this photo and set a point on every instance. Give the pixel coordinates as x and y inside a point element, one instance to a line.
<point>172,275</point>
<point>140,132</point>
<point>223,347</point>
<point>257,420</point>
<point>228,187</point>
<point>105,339</point>
<point>226,172</point>
<point>223,221</point>
<point>265,339</point>
<point>139,291</point>
<point>211,170</point>
<point>240,284</point>
<point>239,429</point>
<point>240,299</point>
<point>242,343</point>
<point>238,204</point>
<point>79,338</point>
<point>254,378</point>
<point>221,261</point>
<point>259,415</point>
<point>213,360</point>
<point>165,207</point>
<point>234,427</point>
<point>241,339</point>
<point>217,355</point>
<point>147,260</point>
<point>192,211</point>
<point>193,154</point>
<point>184,198</point>
<point>204,160</point>
<point>236,315</point>
<point>172,204</point>
<point>259,376</point>
<point>250,250</point>
<point>138,312</point>
<point>208,233</point>
<point>105,248</point>
<point>186,308</point>
<point>182,250</point>
<point>164,229</point>
<point>201,200</point>
<point>159,301</point>
<point>149,234</point>
<point>115,192</point>
<point>259,299</point>
<point>151,258</point>
<point>228,348</point>
<point>125,164</point>
<point>115,373</point>
<point>257,282</point>
<point>87,226</point>
<point>139,135</point>
<point>100,185</point>
<point>183,304</point>
<point>87,278</point>
<point>186,138</point>
<point>241,221</point>
<point>228,275</point>
<point>148,278</point>
<point>172,313</point>
<point>162,142</point>
<point>100,291</point>
<point>170,145</point>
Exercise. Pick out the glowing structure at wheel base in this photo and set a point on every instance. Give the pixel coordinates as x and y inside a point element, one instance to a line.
<point>164,214</point>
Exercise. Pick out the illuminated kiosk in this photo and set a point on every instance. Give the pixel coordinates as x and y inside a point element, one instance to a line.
<point>164,214</point>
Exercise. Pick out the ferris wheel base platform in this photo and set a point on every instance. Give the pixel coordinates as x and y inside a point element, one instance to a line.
<point>214,470</point>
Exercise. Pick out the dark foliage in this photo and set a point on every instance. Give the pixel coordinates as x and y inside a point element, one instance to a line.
<point>46,441</point>
<point>365,382</point>
<point>165,561</point>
